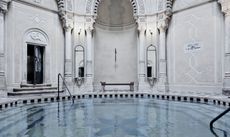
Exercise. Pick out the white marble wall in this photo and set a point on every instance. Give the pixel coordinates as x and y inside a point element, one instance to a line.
<point>197,69</point>
<point>195,23</point>
<point>125,42</point>
<point>21,18</point>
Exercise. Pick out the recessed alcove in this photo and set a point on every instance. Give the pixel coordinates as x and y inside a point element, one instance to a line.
<point>115,43</point>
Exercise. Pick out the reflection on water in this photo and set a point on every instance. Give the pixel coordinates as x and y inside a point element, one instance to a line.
<point>113,118</point>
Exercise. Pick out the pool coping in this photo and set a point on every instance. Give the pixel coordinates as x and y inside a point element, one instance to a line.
<point>14,102</point>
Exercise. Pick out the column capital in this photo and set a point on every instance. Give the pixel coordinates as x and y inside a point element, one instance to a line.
<point>89,28</point>
<point>225,6</point>
<point>141,28</point>
<point>68,25</point>
<point>163,25</point>
<point>163,21</point>
<point>4,5</point>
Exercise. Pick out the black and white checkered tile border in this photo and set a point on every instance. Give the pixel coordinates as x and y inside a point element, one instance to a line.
<point>192,99</point>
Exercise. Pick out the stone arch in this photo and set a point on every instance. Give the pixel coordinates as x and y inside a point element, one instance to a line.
<point>79,61</point>
<point>36,37</point>
<point>138,7</point>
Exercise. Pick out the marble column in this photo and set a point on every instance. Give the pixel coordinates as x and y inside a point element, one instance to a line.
<point>3,10</point>
<point>89,61</point>
<point>1,31</point>
<point>141,55</point>
<point>141,70</point>
<point>68,54</point>
<point>226,83</point>
<point>163,78</point>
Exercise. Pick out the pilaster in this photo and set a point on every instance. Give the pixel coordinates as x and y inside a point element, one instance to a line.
<point>141,63</point>
<point>163,23</point>
<point>225,7</point>
<point>89,59</point>
<point>65,11</point>
<point>3,10</point>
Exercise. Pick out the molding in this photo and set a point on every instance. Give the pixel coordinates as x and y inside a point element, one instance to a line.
<point>193,6</point>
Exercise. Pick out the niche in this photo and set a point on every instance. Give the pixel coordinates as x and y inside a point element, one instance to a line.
<point>79,62</point>
<point>151,62</point>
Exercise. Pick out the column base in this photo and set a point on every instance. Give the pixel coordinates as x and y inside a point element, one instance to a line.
<point>89,84</point>
<point>163,85</point>
<point>3,83</point>
<point>68,78</point>
<point>143,85</point>
<point>226,87</point>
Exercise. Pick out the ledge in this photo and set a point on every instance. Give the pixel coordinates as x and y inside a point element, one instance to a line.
<point>14,102</point>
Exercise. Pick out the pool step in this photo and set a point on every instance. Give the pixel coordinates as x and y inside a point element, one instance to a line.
<point>37,85</point>
<point>30,89</point>
<point>34,89</point>
<point>35,92</point>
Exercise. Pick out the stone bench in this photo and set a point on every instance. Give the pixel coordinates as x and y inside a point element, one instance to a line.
<point>131,85</point>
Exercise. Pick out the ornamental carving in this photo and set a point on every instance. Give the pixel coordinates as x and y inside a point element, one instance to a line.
<point>65,17</point>
<point>36,36</point>
<point>141,7</point>
<point>4,5</point>
<point>88,6</point>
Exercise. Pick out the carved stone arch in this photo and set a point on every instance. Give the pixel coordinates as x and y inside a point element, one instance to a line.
<point>36,37</point>
<point>138,7</point>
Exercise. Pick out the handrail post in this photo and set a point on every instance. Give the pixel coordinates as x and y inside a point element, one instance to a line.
<point>218,117</point>
<point>64,84</point>
<point>58,87</point>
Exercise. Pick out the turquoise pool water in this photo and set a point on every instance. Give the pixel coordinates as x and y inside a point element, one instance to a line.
<point>113,118</point>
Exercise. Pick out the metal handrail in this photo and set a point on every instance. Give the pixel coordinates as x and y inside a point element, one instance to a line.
<point>218,117</point>
<point>64,82</point>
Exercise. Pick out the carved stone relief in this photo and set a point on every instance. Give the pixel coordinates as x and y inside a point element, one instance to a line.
<point>141,7</point>
<point>88,6</point>
<point>37,37</point>
<point>38,19</point>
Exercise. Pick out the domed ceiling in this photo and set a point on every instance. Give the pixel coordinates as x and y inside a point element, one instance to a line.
<point>115,13</point>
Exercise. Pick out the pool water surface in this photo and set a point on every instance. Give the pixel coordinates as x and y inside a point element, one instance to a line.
<point>113,118</point>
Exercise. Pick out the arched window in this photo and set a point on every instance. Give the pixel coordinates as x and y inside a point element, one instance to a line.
<point>79,62</point>
<point>151,62</point>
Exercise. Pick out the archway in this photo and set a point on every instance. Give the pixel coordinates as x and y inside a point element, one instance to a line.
<point>36,63</point>
<point>115,42</point>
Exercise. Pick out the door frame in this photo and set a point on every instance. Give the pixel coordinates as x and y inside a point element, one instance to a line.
<point>43,51</point>
<point>36,37</point>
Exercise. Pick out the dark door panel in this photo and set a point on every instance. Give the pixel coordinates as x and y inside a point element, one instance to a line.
<point>35,64</point>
